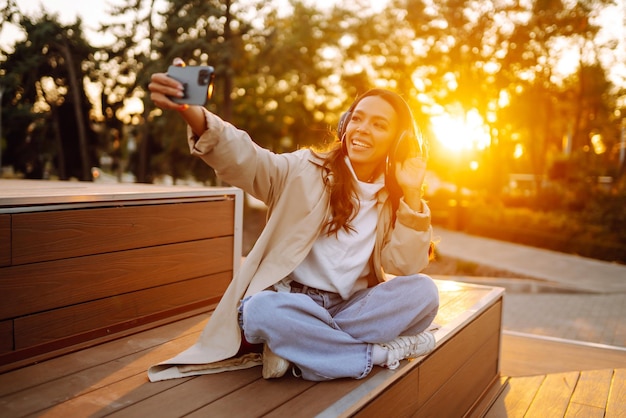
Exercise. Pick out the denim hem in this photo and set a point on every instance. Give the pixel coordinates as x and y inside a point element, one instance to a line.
<point>368,362</point>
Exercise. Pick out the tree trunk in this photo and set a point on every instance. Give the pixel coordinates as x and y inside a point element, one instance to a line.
<point>144,134</point>
<point>80,120</point>
<point>228,78</point>
<point>59,143</point>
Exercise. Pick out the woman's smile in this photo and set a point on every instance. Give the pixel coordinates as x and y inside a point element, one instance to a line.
<point>370,132</point>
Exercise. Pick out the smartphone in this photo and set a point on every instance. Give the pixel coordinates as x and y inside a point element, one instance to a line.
<point>197,81</point>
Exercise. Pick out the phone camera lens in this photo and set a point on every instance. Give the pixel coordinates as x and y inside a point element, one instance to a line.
<point>203,77</point>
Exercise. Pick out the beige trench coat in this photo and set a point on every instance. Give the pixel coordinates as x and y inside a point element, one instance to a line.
<point>293,185</point>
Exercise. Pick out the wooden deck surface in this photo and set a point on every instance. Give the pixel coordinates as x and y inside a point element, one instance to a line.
<point>545,377</point>
<point>110,379</point>
<point>590,393</point>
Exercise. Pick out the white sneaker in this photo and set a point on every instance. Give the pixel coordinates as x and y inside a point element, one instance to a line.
<point>408,346</point>
<point>273,365</point>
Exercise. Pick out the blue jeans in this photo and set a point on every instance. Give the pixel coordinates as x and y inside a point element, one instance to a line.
<point>327,337</point>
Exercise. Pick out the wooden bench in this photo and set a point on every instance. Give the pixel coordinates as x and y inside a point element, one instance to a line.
<point>461,377</point>
<point>81,263</point>
<point>102,254</point>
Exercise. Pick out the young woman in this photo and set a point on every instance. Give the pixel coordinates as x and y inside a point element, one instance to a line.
<point>332,286</point>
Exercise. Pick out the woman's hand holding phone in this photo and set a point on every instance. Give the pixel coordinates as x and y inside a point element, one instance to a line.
<point>169,93</point>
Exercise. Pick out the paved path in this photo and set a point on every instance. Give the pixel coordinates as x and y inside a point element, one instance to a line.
<point>570,271</point>
<point>591,306</point>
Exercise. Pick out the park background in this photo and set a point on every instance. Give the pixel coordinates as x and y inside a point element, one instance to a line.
<point>523,103</point>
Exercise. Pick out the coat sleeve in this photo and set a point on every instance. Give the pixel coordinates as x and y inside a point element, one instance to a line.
<point>407,250</point>
<point>238,160</point>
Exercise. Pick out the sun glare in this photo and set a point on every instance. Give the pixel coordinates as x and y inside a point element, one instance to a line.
<point>458,134</point>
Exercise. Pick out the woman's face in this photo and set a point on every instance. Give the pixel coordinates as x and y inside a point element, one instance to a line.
<point>370,132</point>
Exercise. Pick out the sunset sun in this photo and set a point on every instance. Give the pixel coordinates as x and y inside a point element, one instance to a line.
<point>461,134</point>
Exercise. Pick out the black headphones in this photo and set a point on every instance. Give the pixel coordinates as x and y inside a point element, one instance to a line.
<point>409,141</point>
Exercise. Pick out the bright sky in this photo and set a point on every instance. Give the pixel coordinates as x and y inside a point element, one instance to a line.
<point>68,10</point>
<point>94,12</point>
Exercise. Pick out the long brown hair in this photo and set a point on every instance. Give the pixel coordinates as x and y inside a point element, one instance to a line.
<point>343,192</point>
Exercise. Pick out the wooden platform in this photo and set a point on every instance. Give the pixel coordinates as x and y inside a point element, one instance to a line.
<point>529,355</point>
<point>110,379</point>
<point>82,262</point>
<point>551,377</point>
<point>592,393</point>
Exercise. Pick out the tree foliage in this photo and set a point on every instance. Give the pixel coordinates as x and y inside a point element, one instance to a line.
<point>285,72</point>
<point>45,100</point>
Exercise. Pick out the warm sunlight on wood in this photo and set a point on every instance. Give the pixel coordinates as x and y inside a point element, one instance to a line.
<point>459,134</point>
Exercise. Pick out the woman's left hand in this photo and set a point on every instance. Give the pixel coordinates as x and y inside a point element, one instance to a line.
<point>410,176</point>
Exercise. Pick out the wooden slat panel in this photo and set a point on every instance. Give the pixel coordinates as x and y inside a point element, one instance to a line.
<point>398,400</point>
<point>593,388</point>
<point>70,386</point>
<point>553,396</point>
<point>44,236</point>
<point>6,336</point>
<point>447,359</point>
<point>576,410</point>
<point>319,397</point>
<point>47,372</point>
<point>134,397</point>
<point>5,240</point>
<point>616,405</point>
<point>255,399</point>
<point>190,395</point>
<point>32,288</point>
<point>103,401</point>
<point>457,395</point>
<point>103,313</point>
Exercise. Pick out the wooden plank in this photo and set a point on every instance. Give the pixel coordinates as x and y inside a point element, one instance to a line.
<point>16,193</point>
<point>5,240</point>
<point>554,395</point>
<point>134,397</point>
<point>102,314</point>
<point>453,303</point>
<point>69,386</point>
<point>318,397</point>
<point>616,404</point>
<point>185,398</point>
<point>37,287</point>
<point>398,400</point>
<point>6,336</point>
<point>516,398</point>
<point>45,236</point>
<point>592,389</point>
<point>255,399</point>
<point>583,411</point>
<point>75,363</point>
